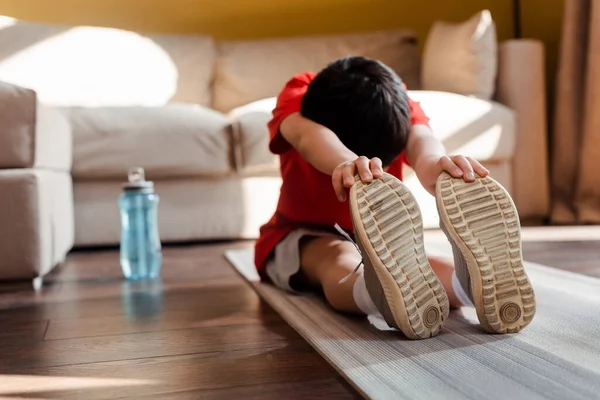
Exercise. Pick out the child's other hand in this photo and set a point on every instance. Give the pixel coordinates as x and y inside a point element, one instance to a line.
<point>462,167</point>
<point>343,175</point>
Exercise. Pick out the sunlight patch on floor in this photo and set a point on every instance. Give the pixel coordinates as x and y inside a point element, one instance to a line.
<point>14,384</point>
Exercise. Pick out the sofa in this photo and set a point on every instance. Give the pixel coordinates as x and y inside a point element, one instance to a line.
<point>79,106</point>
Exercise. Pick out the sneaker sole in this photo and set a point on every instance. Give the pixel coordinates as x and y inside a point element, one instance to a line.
<point>482,220</point>
<point>388,228</point>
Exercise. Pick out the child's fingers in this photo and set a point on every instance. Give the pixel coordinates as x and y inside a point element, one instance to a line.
<point>477,167</point>
<point>363,169</point>
<point>465,165</point>
<point>338,186</point>
<point>339,182</point>
<point>348,173</point>
<point>376,167</point>
<point>447,164</point>
<point>343,175</point>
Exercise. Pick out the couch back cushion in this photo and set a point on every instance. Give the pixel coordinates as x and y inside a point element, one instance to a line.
<point>169,142</point>
<point>248,71</point>
<point>90,66</point>
<point>484,130</point>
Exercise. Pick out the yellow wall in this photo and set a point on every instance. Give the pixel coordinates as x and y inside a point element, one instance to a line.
<point>232,19</point>
<point>258,18</point>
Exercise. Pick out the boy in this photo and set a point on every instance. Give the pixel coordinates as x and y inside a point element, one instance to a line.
<point>342,136</point>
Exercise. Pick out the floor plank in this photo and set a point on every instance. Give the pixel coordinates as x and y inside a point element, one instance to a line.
<point>143,345</point>
<point>22,332</point>
<point>218,305</point>
<point>323,389</point>
<point>161,376</point>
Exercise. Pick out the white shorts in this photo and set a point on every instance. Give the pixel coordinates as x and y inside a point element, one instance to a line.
<point>284,263</point>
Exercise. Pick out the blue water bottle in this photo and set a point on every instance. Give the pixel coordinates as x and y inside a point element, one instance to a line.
<point>141,256</point>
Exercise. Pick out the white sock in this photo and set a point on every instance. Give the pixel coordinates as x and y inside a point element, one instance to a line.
<point>462,296</point>
<point>362,298</point>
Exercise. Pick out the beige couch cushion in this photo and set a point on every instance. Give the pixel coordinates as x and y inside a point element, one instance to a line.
<point>177,140</point>
<point>32,135</point>
<point>88,66</point>
<point>481,129</point>
<point>251,138</point>
<point>252,70</point>
<point>466,125</point>
<point>53,140</point>
<point>190,209</point>
<point>461,58</point>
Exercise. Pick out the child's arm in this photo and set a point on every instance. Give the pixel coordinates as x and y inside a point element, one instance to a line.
<point>428,158</point>
<point>320,147</point>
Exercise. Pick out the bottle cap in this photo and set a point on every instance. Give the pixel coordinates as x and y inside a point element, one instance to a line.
<point>137,181</point>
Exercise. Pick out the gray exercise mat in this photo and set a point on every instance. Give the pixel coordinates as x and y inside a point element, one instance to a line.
<point>556,357</point>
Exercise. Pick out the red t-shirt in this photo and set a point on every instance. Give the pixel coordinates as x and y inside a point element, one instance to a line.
<point>306,198</point>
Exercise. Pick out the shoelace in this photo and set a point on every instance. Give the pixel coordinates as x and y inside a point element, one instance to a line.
<point>360,264</point>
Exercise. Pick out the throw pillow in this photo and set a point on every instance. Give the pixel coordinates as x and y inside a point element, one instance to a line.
<point>462,57</point>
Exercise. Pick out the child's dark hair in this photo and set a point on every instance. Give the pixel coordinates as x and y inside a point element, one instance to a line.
<point>364,103</point>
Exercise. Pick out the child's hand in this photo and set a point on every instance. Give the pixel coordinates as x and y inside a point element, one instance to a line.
<point>343,175</point>
<point>429,169</point>
<point>461,167</point>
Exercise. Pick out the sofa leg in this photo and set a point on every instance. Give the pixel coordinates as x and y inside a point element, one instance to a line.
<point>38,283</point>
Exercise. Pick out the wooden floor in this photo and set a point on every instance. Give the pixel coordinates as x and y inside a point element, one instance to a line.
<point>201,333</point>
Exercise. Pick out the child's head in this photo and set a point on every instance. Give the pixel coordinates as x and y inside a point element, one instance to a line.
<point>364,103</point>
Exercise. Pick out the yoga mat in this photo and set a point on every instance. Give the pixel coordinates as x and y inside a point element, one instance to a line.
<point>556,357</point>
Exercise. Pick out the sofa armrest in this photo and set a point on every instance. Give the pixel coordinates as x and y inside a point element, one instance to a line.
<point>31,134</point>
<point>521,87</point>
